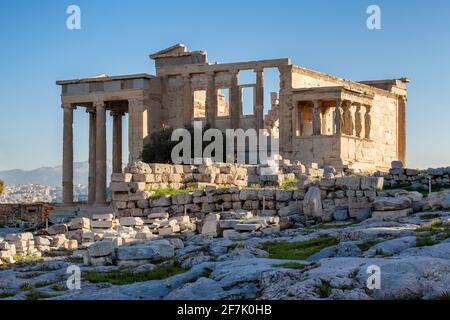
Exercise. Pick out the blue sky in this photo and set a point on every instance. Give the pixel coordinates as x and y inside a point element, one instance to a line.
<point>117,36</point>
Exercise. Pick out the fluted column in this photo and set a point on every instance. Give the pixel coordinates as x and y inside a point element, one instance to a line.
<point>92,157</point>
<point>317,121</point>
<point>100,191</point>
<point>137,128</point>
<point>211,99</point>
<point>67,174</point>
<point>259,99</point>
<point>235,112</point>
<point>117,142</point>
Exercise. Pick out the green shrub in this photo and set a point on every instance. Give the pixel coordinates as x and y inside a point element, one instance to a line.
<point>2,186</point>
<point>159,149</point>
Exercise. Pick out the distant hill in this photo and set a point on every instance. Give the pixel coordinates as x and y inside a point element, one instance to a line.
<point>50,176</point>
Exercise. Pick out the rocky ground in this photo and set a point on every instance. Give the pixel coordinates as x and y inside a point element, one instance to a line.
<point>325,261</point>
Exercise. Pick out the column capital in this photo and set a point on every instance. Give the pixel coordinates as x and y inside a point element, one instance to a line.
<point>98,103</point>
<point>117,113</point>
<point>258,69</point>
<point>68,106</point>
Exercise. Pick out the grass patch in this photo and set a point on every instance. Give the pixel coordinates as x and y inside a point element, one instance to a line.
<point>435,225</point>
<point>26,260</point>
<point>4,295</point>
<point>170,191</point>
<point>380,252</point>
<point>26,286</point>
<point>431,233</point>
<point>345,287</point>
<point>29,275</point>
<point>298,250</point>
<point>366,245</point>
<point>74,260</point>
<point>38,295</point>
<point>324,289</point>
<point>236,245</point>
<point>42,284</point>
<point>289,184</point>
<point>122,277</point>
<point>291,265</point>
<point>442,296</point>
<point>429,216</point>
<point>58,287</point>
<point>425,240</point>
<point>56,253</point>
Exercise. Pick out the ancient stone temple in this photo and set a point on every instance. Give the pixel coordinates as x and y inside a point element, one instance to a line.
<point>317,117</point>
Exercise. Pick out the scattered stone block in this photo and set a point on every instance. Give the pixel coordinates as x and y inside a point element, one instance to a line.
<point>80,223</point>
<point>131,221</point>
<point>211,224</point>
<point>247,226</point>
<point>57,229</point>
<point>101,248</point>
<point>151,250</point>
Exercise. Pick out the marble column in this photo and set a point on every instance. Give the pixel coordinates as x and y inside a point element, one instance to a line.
<point>67,174</point>
<point>211,99</point>
<point>117,142</point>
<point>317,121</point>
<point>235,112</point>
<point>187,100</point>
<point>259,99</point>
<point>338,117</point>
<point>92,155</point>
<point>402,129</point>
<point>100,143</point>
<point>298,112</point>
<point>137,128</point>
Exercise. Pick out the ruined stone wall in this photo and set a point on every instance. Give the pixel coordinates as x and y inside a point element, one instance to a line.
<point>416,178</point>
<point>33,213</point>
<point>351,196</point>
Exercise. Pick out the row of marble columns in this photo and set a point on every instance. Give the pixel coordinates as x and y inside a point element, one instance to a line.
<point>349,118</point>
<point>97,152</point>
<point>235,96</point>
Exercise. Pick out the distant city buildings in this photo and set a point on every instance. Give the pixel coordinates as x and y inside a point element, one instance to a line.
<point>32,193</point>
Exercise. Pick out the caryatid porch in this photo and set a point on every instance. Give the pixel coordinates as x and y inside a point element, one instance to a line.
<point>118,96</point>
<point>331,125</point>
